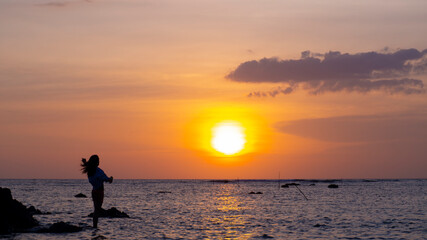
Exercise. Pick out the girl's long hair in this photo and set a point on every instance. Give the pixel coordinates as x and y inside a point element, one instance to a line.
<point>89,167</point>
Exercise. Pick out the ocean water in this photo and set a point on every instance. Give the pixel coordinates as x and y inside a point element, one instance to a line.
<point>201,209</point>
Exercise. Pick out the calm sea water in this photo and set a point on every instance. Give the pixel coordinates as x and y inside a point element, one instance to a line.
<point>196,209</point>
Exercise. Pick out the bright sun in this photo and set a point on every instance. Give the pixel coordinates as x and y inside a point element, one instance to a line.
<point>228,137</point>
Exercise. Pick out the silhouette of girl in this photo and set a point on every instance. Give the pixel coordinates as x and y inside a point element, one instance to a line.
<point>97,178</point>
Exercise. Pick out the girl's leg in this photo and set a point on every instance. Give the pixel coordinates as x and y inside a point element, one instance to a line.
<point>95,215</point>
<point>98,198</point>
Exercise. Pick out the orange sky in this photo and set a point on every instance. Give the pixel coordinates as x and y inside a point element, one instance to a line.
<point>141,83</point>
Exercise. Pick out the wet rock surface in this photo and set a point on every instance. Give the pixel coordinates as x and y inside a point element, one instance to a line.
<point>111,213</point>
<point>61,227</point>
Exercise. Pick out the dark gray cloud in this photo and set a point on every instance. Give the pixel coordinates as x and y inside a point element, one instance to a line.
<point>272,93</point>
<point>335,71</point>
<point>360,128</point>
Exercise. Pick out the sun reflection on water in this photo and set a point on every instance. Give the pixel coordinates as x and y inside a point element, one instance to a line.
<point>228,217</point>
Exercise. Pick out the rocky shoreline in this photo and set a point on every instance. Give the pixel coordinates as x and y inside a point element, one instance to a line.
<point>15,217</point>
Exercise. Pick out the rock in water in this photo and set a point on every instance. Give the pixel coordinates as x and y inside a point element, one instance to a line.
<point>99,237</point>
<point>290,184</point>
<point>80,195</point>
<point>266,236</point>
<point>34,210</point>
<point>333,186</point>
<point>14,216</point>
<point>111,213</point>
<point>164,192</point>
<point>61,227</point>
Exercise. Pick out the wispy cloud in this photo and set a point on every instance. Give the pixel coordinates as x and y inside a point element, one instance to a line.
<point>371,128</point>
<point>54,4</point>
<point>335,71</point>
<point>60,4</point>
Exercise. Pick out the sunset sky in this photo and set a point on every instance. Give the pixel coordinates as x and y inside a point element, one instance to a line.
<point>319,89</point>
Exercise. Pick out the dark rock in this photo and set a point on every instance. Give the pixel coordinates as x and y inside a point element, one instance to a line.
<point>35,211</point>
<point>164,192</point>
<point>330,180</point>
<point>252,193</point>
<point>111,213</point>
<point>220,181</point>
<point>259,193</point>
<point>313,184</point>
<point>14,216</point>
<point>266,236</point>
<point>99,237</point>
<point>61,227</point>
<point>368,180</point>
<point>333,186</point>
<point>5,195</point>
<point>290,184</point>
<point>80,195</point>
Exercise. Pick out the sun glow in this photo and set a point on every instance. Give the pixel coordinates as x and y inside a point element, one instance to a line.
<point>227,135</point>
<point>228,138</point>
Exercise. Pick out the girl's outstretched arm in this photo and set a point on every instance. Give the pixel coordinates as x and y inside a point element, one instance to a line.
<point>105,178</point>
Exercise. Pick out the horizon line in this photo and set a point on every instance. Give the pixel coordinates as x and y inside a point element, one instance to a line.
<point>226,179</point>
